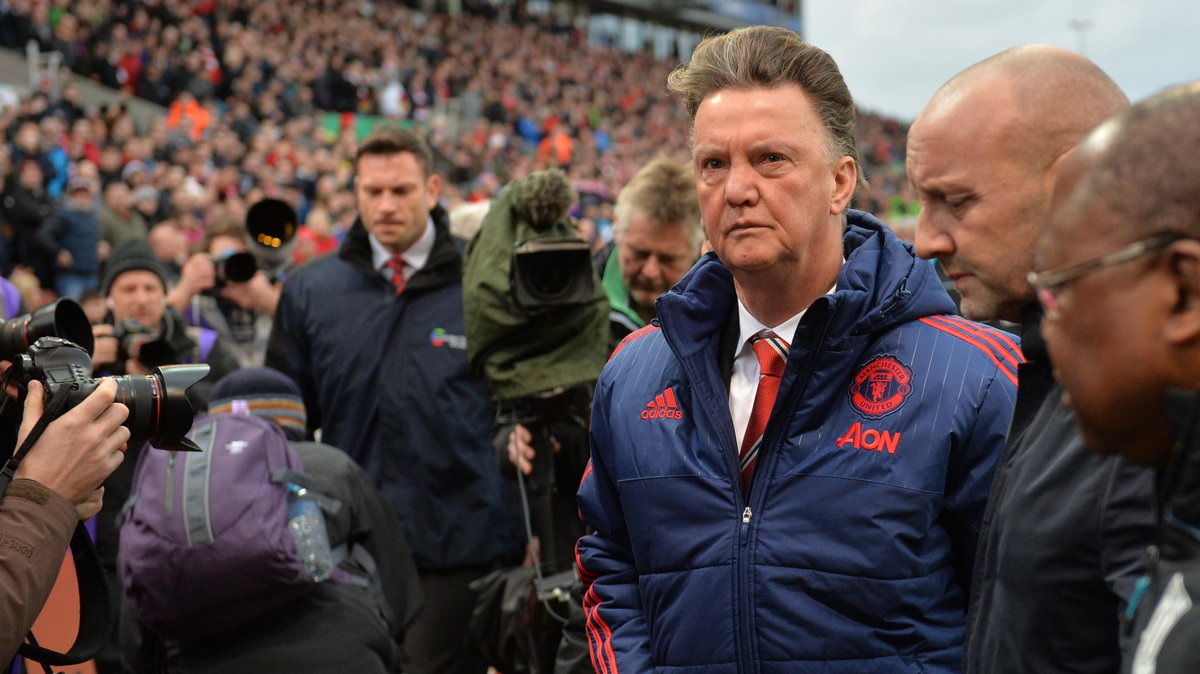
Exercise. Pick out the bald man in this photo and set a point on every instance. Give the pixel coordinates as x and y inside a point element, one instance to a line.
<point>1065,531</point>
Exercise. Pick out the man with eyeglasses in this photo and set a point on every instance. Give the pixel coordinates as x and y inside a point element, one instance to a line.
<point>1120,282</point>
<point>1064,531</point>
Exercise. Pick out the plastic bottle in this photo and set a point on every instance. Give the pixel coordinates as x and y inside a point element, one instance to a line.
<point>307,523</point>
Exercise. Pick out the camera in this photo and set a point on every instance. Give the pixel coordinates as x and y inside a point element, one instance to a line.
<point>159,411</point>
<point>143,344</point>
<point>63,318</point>
<point>552,272</point>
<point>235,268</point>
<point>271,229</point>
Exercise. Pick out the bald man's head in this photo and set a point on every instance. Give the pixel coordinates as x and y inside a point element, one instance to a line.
<point>982,155</point>
<point>1145,171</point>
<point>1050,96</point>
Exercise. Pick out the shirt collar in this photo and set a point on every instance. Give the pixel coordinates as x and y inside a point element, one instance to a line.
<point>748,326</point>
<point>414,258</point>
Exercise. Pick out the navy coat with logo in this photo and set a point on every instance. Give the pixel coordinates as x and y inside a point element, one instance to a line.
<point>852,551</point>
<point>386,378</point>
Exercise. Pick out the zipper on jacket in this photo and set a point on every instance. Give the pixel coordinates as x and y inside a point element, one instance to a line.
<point>169,490</point>
<point>771,439</point>
<point>1140,589</point>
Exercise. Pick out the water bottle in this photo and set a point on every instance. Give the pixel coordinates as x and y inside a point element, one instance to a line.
<point>307,523</point>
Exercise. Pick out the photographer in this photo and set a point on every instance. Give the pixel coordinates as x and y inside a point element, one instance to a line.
<point>143,331</point>
<point>56,485</point>
<point>213,293</point>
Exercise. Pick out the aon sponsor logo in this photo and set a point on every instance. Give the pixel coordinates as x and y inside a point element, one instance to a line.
<point>869,439</point>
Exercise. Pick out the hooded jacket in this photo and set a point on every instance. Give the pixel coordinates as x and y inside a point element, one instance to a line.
<point>386,378</point>
<point>853,548</point>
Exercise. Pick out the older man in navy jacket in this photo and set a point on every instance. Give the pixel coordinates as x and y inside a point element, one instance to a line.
<point>788,473</point>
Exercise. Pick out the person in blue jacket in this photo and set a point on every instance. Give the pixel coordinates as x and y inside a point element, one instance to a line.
<point>374,336</point>
<point>790,467</point>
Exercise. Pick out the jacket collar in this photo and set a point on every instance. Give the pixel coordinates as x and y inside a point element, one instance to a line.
<point>445,260</point>
<point>1180,482</point>
<point>882,284</point>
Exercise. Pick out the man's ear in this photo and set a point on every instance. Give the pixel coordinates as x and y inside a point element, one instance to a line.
<point>845,179</point>
<point>1183,325</point>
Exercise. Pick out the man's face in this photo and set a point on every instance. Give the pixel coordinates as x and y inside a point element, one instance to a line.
<point>652,257</point>
<point>1104,336</point>
<point>769,196</point>
<point>394,198</point>
<point>983,205</point>
<point>138,294</point>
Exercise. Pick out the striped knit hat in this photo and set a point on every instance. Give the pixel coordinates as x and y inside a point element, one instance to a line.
<point>263,392</point>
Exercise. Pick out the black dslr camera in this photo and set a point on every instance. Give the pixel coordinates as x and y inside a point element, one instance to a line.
<point>143,344</point>
<point>159,411</point>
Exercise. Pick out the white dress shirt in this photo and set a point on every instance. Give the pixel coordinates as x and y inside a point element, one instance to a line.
<point>414,258</point>
<point>743,385</point>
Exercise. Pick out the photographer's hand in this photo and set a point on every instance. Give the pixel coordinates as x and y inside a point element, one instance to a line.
<point>106,347</point>
<point>197,275</point>
<point>79,450</point>
<point>520,449</point>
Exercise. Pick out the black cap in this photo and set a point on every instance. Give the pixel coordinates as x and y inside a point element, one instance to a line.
<point>130,256</point>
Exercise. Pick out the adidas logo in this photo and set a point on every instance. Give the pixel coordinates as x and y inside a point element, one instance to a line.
<point>663,406</point>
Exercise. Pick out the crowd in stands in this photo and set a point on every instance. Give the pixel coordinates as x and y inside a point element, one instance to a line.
<point>264,99</point>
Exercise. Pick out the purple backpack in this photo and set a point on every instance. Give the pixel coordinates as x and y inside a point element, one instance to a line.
<point>204,545</point>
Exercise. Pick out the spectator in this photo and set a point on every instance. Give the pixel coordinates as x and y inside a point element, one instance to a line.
<point>119,220</point>
<point>72,237</point>
<point>387,392</point>
<point>887,426</point>
<point>26,206</point>
<point>1118,281</point>
<point>1062,540</point>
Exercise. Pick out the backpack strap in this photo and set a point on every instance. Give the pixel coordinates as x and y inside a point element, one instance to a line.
<point>359,554</point>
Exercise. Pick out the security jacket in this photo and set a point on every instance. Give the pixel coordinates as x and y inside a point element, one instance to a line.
<point>855,543</point>
<point>386,378</point>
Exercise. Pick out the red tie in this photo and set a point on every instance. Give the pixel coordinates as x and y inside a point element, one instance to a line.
<point>396,264</point>
<point>771,352</point>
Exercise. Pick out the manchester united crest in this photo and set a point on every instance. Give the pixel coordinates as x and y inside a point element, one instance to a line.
<point>880,387</point>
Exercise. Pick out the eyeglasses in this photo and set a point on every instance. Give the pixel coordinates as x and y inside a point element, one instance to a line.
<point>1047,283</point>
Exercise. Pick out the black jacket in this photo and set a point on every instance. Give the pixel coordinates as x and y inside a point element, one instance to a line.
<point>386,378</point>
<point>1062,540</point>
<point>1164,614</point>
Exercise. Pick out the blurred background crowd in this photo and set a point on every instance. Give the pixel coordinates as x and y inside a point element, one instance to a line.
<point>268,100</point>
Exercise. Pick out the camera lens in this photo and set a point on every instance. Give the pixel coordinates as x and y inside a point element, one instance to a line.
<point>159,411</point>
<point>239,267</point>
<point>63,318</point>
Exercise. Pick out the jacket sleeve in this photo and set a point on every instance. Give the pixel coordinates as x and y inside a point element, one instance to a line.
<point>288,349</point>
<point>36,525</point>
<point>969,478</point>
<point>617,632</point>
